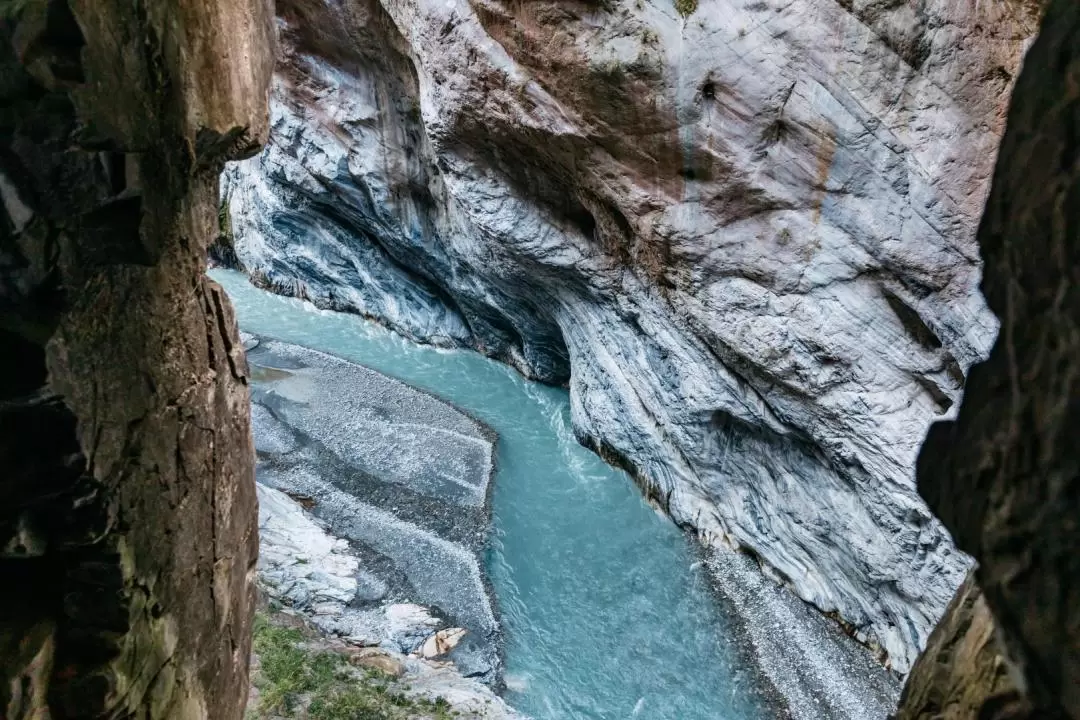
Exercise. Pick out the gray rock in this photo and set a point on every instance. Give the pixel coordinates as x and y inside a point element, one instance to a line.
<point>743,236</point>
<point>299,562</point>
<point>329,432</point>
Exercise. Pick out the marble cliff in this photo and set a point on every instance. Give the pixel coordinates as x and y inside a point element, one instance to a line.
<point>741,231</point>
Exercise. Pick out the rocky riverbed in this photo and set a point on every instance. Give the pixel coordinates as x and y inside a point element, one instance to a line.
<point>399,570</point>
<point>605,606</point>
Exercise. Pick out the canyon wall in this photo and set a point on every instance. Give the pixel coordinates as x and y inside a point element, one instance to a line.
<point>1005,476</point>
<point>127,497</point>
<point>742,231</point>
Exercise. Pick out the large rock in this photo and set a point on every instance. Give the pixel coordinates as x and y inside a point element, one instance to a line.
<point>962,666</point>
<point>741,231</point>
<point>127,495</point>
<point>1005,477</point>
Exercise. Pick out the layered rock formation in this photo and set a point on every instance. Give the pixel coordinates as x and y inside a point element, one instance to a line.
<point>741,231</point>
<point>316,576</point>
<point>1005,477</point>
<point>127,496</point>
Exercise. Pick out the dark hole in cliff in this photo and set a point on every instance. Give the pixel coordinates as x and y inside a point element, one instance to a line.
<point>708,90</point>
<point>25,363</point>
<point>944,402</point>
<point>911,321</point>
<point>115,165</point>
<point>62,42</point>
<point>774,132</point>
<point>621,222</point>
<point>582,219</point>
<point>955,372</point>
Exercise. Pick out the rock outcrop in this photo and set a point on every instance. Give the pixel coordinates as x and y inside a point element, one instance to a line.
<point>127,495</point>
<point>962,664</point>
<point>741,231</point>
<point>319,582</point>
<point>1005,477</point>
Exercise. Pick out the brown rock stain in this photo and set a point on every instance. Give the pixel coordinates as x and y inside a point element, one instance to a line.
<point>825,154</point>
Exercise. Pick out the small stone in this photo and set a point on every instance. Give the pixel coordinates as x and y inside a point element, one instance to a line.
<point>442,642</point>
<point>376,659</point>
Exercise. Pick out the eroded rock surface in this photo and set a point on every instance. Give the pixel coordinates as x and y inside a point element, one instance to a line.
<point>127,496</point>
<point>741,231</point>
<point>962,666</point>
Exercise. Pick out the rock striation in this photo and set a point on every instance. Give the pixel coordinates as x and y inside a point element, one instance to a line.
<point>742,231</point>
<point>962,665</point>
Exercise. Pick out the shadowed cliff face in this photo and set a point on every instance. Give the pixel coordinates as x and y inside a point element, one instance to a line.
<point>1005,477</point>
<point>127,501</point>
<point>961,667</point>
<point>743,235</point>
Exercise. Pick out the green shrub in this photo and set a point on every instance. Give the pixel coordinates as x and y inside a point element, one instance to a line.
<point>686,8</point>
<point>296,681</point>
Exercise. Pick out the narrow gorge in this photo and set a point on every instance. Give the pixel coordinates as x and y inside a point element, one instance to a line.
<point>741,232</point>
<point>560,359</point>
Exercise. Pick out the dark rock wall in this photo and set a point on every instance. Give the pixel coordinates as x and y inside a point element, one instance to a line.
<point>1005,477</point>
<point>962,665</point>
<point>127,501</point>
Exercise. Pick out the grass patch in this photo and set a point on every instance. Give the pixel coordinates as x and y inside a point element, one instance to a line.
<point>295,681</point>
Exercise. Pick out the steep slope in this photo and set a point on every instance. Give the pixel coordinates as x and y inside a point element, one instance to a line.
<point>741,231</point>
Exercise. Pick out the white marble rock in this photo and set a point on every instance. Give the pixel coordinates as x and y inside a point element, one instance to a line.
<point>744,236</point>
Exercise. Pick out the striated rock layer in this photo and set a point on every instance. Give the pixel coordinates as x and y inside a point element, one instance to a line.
<point>741,231</point>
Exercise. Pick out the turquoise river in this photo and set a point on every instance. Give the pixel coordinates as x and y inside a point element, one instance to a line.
<point>607,615</point>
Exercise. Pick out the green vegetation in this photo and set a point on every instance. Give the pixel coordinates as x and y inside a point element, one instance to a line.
<point>296,681</point>
<point>224,220</point>
<point>12,9</point>
<point>686,8</point>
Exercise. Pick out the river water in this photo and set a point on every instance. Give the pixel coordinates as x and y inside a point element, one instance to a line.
<point>606,611</point>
